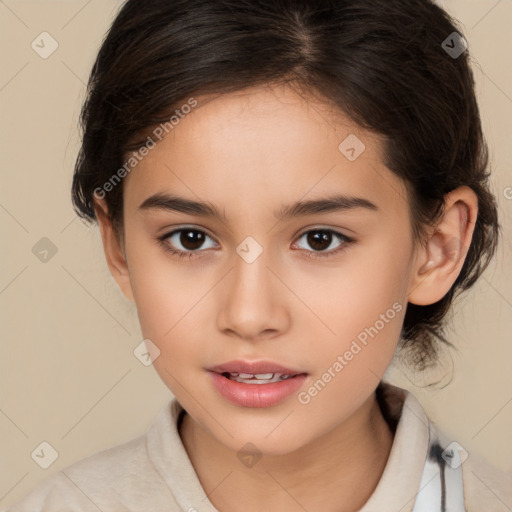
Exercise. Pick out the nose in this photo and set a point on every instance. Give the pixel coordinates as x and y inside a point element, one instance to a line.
<point>253,303</point>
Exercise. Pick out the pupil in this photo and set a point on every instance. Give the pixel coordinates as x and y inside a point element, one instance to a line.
<point>192,239</point>
<point>319,239</point>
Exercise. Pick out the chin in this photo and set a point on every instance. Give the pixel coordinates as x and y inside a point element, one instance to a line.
<point>262,440</point>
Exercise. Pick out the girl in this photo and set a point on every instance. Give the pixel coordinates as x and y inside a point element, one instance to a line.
<point>290,192</point>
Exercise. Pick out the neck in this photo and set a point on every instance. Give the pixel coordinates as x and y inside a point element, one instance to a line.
<point>337,472</point>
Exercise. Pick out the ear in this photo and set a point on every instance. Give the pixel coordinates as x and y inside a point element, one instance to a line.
<point>439,263</point>
<point>114,253</point>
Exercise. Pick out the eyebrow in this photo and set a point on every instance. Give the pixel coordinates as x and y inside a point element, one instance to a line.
<point>337,203</point>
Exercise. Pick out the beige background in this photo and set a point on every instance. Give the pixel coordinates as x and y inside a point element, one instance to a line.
<point>68,373</point>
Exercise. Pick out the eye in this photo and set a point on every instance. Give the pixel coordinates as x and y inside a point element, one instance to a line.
<point>321,239</point>
<point>187,240</point>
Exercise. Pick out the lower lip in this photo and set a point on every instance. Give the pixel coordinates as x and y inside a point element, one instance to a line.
<point>256,395</point>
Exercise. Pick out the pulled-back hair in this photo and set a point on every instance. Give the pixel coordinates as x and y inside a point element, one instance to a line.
<point>384,64</point>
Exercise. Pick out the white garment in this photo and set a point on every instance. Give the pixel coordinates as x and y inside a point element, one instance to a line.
<point>153,473</point>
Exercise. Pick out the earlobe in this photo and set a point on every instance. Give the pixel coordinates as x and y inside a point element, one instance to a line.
<point>114,254</point>
<point>439,263</point>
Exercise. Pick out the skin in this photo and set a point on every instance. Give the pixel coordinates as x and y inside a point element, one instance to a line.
<point>249,153</point>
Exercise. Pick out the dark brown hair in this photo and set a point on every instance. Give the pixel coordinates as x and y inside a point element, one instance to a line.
<point>382,63</point>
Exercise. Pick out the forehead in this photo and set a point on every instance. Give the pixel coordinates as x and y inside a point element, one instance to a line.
<point>263,146</point>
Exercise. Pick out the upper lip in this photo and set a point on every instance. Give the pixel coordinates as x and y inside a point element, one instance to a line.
<point>253,367</point>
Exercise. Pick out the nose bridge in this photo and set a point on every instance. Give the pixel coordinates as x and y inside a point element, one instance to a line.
<point>251,302</point>
<point>251,279</point>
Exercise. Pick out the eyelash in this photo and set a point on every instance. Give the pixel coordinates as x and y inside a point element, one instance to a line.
<point>347,241</point>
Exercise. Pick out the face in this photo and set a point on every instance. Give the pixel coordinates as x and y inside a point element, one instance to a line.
<point>317,295</point>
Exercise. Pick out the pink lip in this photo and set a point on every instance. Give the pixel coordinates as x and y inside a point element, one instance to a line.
<point>255,395</point>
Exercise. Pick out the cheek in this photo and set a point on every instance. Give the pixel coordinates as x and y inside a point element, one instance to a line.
<point>161,288</point>
<point>157,303</point>
<point>160,300</point>
<point>166,316</point>
<point>171,306</point>
<point>363,309</point>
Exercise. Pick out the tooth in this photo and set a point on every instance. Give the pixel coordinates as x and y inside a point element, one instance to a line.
<point>233,374</point>
<point>264,376</point>
<point>246,375</point>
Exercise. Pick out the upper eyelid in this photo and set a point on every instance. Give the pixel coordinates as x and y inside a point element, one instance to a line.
<point>171,232</point>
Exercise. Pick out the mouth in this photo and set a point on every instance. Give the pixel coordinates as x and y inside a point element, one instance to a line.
<point>255,372</point>
<point>256,383</point>
<point>258,378</point>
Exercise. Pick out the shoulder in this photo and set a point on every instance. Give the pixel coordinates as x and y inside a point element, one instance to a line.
<point>482,486</point>
<point>120,478</point>
<point>91,483</point>
<point>485,486</point>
